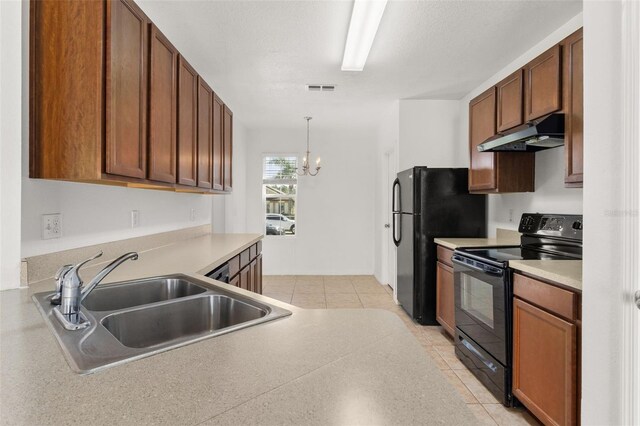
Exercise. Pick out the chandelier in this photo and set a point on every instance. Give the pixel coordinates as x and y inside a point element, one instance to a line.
<point>306,170</point>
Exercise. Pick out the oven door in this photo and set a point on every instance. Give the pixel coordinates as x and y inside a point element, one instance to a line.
<point>482,308</point>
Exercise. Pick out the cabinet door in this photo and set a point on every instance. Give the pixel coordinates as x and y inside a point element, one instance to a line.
<point>126,89</point>
<point>258,278</point>
<point>162,108</point>
<point>235,281</point>
<point>187,124</point>
<point>228,149</point>
<point>544,364</point>
<point>573,108</point>
<point>543,87</point>
<point>482,125</point>
<point>218,143</point>
<point>205,134</point>
<point>445,298</point>
<point>245,277</point>
<point>253,268</point>
<point>510,101</point>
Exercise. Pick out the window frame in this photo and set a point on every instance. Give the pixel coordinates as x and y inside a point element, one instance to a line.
<point>264,194</point>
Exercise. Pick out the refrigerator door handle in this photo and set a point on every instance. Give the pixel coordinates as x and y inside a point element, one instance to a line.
<point>396,241</point>
<point>394,209</point>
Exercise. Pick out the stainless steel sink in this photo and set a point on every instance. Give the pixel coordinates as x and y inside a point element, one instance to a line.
<point>142,292</point>
<point>155,325</point>
<point>136,319</point>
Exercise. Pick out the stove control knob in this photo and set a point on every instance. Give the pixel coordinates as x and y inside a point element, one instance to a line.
<point>577,225</point>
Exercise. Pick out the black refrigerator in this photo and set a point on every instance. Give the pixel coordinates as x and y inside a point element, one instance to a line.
<point>430,203</point>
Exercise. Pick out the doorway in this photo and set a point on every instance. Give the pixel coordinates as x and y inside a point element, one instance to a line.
<point>389,249</point>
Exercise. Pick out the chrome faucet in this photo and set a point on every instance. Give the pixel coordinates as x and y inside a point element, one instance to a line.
<point>72,292</point>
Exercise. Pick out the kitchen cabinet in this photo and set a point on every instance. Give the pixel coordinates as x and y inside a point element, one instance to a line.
<point>162,108</point>
<point>543,84</point>
<point>494,172</point>
<point>205,134</point>
<point>445,304</point>
<point>245,269</point>
<point>218,143</point>
<point>126,89</point>
<point>573,108</point>
<point>546,326</point>
<point>187,124</point>
<point>113,102</point>
<point>510,102</point>
<point>228,149</point>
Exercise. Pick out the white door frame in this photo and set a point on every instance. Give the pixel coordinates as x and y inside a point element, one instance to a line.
<point>389,249</point>
<point>631,217</point>
<point>610,319</point>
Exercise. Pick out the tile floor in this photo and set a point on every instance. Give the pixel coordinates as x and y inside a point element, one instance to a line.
<point>363,291</point>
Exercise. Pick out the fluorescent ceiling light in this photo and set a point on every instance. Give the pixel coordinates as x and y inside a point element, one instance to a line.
<point>365,20</point>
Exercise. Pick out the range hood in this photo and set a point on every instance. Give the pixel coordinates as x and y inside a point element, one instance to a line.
<point>544,133</point>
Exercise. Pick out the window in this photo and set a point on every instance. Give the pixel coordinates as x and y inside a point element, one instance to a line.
<point>279,189</point>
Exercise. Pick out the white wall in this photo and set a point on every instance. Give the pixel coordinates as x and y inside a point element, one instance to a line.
<point>334,226</point>
<point>12,25</point>
<point>236,202</point>
<point>550,195</point>
<point>430,134</point>
<point>388,136</point>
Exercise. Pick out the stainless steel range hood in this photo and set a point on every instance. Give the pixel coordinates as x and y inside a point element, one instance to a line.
<point>543,133</point>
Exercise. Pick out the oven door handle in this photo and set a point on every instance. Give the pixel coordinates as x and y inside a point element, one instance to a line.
<point>486,269</point>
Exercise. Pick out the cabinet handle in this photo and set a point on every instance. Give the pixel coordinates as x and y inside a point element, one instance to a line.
<point>637,297</point>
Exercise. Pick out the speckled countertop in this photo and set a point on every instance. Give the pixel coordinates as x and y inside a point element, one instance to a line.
<point>314,367</point>
<point>567,273</point>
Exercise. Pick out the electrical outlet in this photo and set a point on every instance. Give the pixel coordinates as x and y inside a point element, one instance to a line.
<point>51,226</point>
<point>510,215</point>
<point>192,215</point>
<point>135,218</point>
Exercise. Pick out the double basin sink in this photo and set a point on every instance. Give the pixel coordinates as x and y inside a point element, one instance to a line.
<point>136,319</point>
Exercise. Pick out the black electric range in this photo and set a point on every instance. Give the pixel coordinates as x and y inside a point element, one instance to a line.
<point>484,294</point>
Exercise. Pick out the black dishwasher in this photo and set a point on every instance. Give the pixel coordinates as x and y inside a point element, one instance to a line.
<point>221,273</point>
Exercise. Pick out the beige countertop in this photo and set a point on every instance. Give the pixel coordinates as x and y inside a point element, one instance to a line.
<point>567,273</point>
<point>313,367</point>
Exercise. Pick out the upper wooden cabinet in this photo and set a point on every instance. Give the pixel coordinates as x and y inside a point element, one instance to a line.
<point>543,84</point>
<point>126,89</point>
<point>495,172</point>
<point>112,102</point>
<point>218,143</point>
<point>162,108</point>
<point>187,124</point>
<point>228,149</point>
<point>205,134</point>
<point>573,108</point>
<point>482,125</point>
<point>510,101</point>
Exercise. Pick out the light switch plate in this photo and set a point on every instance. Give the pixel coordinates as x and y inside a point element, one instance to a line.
<point>51,226</point>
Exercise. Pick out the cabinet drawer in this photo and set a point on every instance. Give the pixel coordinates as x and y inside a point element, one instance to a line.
<point>253,251</point>
<point>554,299</point>
<point>444,255</point>
<point>234,266</point>
<point>259,246</point>
<point>245,258</point>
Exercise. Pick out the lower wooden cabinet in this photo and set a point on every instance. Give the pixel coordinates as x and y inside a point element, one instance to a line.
<point>545,352</point>
<point>445,310</point>
<point>445,303</point>
<point>245,269</point>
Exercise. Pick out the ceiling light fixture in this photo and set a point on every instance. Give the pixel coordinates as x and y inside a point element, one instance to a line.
<point>365,20</point>
<point>306,170</point>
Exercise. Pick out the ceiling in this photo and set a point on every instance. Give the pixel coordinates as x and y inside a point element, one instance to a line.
<point>258,55</point>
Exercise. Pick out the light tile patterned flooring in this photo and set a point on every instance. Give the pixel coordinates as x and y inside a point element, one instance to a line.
<point>364,291</point>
